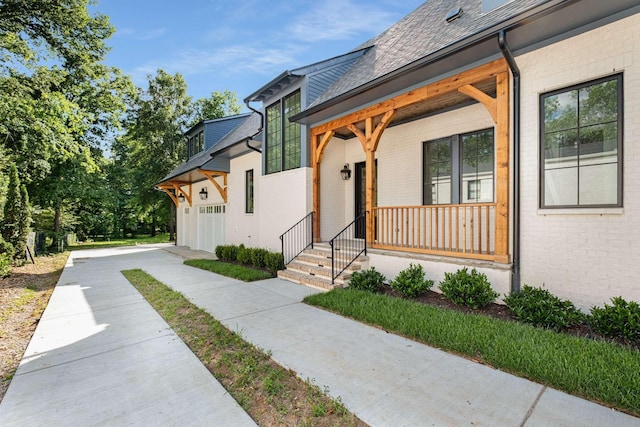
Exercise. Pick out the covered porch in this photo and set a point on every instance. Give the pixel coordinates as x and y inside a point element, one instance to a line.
<point>455,228</point>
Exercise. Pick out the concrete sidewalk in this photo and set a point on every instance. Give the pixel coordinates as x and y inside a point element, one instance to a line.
<point>101,355</point>
<point>64,378</point>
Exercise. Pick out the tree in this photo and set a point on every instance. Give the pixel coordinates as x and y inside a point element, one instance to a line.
<point>155,138</point>
<point>16,214</point>
<point>57,101</point>
<point>219,104</point>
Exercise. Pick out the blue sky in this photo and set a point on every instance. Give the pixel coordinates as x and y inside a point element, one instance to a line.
<point>239,45</point>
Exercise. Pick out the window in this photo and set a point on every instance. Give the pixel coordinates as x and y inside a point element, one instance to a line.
<point>581,145</point>
<point>195,144</point>
<point>283,137</point>
<point>248,191</point>
<point>459,169</point>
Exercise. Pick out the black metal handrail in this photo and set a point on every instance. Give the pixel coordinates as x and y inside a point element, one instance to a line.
<point>297,238</point>
<point>346,247</point>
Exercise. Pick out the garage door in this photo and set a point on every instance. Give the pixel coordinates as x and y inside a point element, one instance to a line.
<point>210,227</point>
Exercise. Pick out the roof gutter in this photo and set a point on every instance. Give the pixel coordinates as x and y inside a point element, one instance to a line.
<point>515,71</point>
<point>246,142</point>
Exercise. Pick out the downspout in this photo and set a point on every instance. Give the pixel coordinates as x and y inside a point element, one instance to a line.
<point>515,71</point>
<point>246,102</point>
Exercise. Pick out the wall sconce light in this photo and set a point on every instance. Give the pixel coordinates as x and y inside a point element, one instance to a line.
<point>203,194</point>
<point>181,197</point>
<point>345,172</point>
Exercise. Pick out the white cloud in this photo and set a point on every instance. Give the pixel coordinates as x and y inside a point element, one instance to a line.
<point>141,35</point>
<point>340,20</point>
<point>227,60</point>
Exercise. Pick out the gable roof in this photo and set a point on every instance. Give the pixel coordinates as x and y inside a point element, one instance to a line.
<point>424,47</point>
<point>245,126</point>
<point>321,74</point>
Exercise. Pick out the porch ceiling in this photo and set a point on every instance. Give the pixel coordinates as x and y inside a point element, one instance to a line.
<point>446,101</point>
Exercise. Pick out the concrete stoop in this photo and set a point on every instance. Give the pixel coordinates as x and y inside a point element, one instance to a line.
<point>313,268</point>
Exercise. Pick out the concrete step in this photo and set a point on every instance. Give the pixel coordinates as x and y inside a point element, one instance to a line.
<point>313,268</point>
<point>309,280</point>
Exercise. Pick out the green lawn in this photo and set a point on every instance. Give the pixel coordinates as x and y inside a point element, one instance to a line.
<point>159,238</point>
<point>596,370</point>
<point>237,271</point>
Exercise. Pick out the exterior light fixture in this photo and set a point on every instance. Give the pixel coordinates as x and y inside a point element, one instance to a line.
<point>345,172</point>
<point>203,194</point>
<point>181,197</point>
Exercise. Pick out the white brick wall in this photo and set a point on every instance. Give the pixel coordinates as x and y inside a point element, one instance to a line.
<point>592,257</point>
<point>283,200</point>
<point>242,227</point>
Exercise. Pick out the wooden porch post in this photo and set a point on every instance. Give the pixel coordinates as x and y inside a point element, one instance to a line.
<point>502,164</point>
<point>370,140</point>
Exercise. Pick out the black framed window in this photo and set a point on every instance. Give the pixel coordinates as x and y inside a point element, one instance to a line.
<point>581,145</point>
<point>248,191</point>
<point>195,144</point>
<point>283,141</point>
<point>459,169</point>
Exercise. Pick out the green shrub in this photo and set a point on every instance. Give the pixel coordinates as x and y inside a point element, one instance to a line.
<point>244,255</point>
<point>5,265</point>
<point>541,308</point>
<point>258,256</point>
<point>621,320</point>
<point>367,280</point>
<point>472,290</point>
<point>227,252</point>
<point>274,262</point>
<point>219,250</point>
<point>410,282</point>
<point>6,248</point>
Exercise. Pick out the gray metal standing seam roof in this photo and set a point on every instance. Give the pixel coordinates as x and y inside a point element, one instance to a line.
<point>245,126</point>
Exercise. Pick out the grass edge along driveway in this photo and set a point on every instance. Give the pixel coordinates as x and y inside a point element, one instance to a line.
<point>271,394</point>
<point>603,372</point>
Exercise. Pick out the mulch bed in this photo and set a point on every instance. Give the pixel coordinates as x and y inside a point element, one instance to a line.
<point>501,312</point>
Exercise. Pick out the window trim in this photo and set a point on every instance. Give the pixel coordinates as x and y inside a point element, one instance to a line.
<point>620,140</point>
<point>283,126</point>
<point>249,192</point>
<point>456,159</point>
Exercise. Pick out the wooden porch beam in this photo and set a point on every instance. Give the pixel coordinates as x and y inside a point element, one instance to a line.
<point>449,84</point>
<point>488,102</point>
<point>322,145</point>
<point>176,186</point>
<point>358,133</point>
<point>172,195</point>
<point>211,177</point>
<point>377,133</point>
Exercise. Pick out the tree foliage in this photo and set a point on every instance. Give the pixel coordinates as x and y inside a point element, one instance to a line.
<point>218,105</point>
<point>155,136</point>
<point>61,107</point>
<point>17,216</point>
<point>58,101</point>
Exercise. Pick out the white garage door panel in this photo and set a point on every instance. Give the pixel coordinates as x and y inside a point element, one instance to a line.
<point>210,227</point>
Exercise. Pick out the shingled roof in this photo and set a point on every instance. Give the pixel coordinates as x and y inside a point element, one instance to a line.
<point>247,126</point>
<point>420,34</point>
